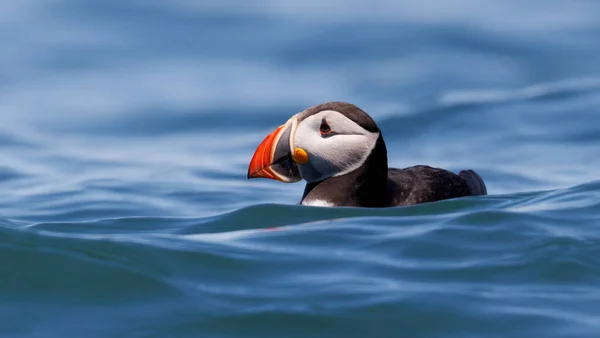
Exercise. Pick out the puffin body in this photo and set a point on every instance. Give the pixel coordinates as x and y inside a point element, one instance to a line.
<point>339,151</point>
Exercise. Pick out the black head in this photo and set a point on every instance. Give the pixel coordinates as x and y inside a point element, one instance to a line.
<point>349,110</point>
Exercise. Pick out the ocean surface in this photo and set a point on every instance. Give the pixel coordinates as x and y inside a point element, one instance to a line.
<point>126,129</point>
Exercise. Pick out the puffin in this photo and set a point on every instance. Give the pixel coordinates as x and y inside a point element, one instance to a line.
<point>338,149</point>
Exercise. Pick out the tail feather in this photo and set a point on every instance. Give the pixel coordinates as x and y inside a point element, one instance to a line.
<point>474,181</point>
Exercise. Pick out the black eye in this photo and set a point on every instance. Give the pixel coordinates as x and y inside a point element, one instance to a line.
<point>324,129</point>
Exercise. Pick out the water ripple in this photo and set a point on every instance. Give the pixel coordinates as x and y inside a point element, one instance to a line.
<point>126,128</point>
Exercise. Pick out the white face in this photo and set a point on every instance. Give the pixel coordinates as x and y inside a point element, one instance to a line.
<point>341,150</point>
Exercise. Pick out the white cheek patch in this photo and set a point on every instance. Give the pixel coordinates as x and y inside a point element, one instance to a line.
<point>345,151</point>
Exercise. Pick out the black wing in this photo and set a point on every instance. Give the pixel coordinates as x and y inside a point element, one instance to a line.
<point>421,184</point>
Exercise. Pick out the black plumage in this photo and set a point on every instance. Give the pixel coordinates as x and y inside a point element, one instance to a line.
<point>375,185</point>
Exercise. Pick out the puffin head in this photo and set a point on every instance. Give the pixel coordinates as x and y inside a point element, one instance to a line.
<point>327,140</point>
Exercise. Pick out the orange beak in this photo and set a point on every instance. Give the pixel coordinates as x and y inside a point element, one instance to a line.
<point>273,158</point>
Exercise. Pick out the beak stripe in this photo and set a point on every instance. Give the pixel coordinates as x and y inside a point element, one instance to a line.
<point>259,166</point>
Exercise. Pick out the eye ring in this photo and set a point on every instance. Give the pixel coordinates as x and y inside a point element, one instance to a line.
<point>324,129</point>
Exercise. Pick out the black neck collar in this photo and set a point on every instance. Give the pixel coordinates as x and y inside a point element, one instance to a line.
<point>364,187</point>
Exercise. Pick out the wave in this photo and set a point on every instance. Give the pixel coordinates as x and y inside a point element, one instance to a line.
<point>583,199</point>
<point>547,90</point>
<point>308,265</point>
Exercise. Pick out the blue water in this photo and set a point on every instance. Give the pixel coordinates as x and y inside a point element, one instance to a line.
<point>126,128</point>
